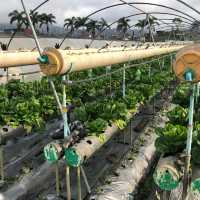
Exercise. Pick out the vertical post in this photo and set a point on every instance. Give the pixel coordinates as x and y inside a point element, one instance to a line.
<point>130,132</point>
<point>79,183</point>
<point>110,83</point>
<point>66,127</point>
<point>23,78</point>
<point>150,30</point>
<point>85,180</point>
<point>1,164</point>
<point>124,82</point>
<point>57,179</point>
<point>149,71</point>
<point>171,60</point>
<point>90,73</point>
<point>7,75</point>
<point>68,183</point>
<point>66,134</point>
<point>108,69</point>
<point>189,146</point>
<point>197,91</point>
<point>163,63</point>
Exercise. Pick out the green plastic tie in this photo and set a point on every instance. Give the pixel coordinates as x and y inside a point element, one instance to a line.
<point>43,59</point>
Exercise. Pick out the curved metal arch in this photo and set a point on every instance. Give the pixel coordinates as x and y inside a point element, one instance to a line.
<point>164,27</point>
<point>122,4</point>
<point>189,6</point>
<point>129,16</point>
<point>141,3</point>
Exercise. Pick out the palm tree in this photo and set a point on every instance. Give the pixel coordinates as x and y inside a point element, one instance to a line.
<point>151,22</point>
<point>177,21</point>
<point>92,26</point>
<point>123,25</point>
<point>47,19</point>
<point>141,25</point>
<point>103,24</point>
<point>36,18</point>
<point>70,24</point>
<point>80,22</point>
<point>19,18</point>
<point>195,25</point>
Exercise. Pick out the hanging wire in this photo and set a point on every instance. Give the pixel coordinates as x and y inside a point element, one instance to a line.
<point>71,82</point>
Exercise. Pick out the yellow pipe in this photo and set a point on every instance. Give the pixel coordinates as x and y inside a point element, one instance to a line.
<point>62,61</point>
<point>18,58</point>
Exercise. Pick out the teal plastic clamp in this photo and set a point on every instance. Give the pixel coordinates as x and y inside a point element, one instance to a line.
<point>43,59</point>
<point>189,75</point>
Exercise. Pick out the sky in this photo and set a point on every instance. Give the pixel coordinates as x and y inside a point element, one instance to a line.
<point>67,8</point>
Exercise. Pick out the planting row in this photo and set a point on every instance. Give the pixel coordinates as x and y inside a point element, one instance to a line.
<point>96,104</point>
<point>172,138</point>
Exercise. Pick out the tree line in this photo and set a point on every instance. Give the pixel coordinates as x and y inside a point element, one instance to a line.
<point>93,27</point>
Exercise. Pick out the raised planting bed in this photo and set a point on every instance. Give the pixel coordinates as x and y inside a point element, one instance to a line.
<point>32,109</point>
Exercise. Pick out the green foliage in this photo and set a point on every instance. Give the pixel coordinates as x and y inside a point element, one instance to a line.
<point>80,114</point>
<point>178,115</point>
<point>97,104</point>
<point>97,126</point>
<point>172,138</point>
<point>181,96</point>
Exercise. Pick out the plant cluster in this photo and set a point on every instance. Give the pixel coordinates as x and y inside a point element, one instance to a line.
<point>172,138</point>
<point>97,105</point>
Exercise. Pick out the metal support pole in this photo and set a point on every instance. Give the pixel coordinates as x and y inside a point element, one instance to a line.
<point>32,28</point>
<point>68,183</point>
<point>108,69</point>
<point>189,146</point>
<point>90,73</point>
<point>56,96</point>
<point>149,71</point>
<point>79,183</point>
<point>163,63</point>
<point>110,85</point>
<point>130,132</point>
<point>124,82</point>
<point>57,179</point>
<point>7,75</point>
<point>171,59</point>
<point>197,91</point>
<point>85,180</point>
<point>66,127</point>
<point>150,30</point>
<point>1,165</point>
